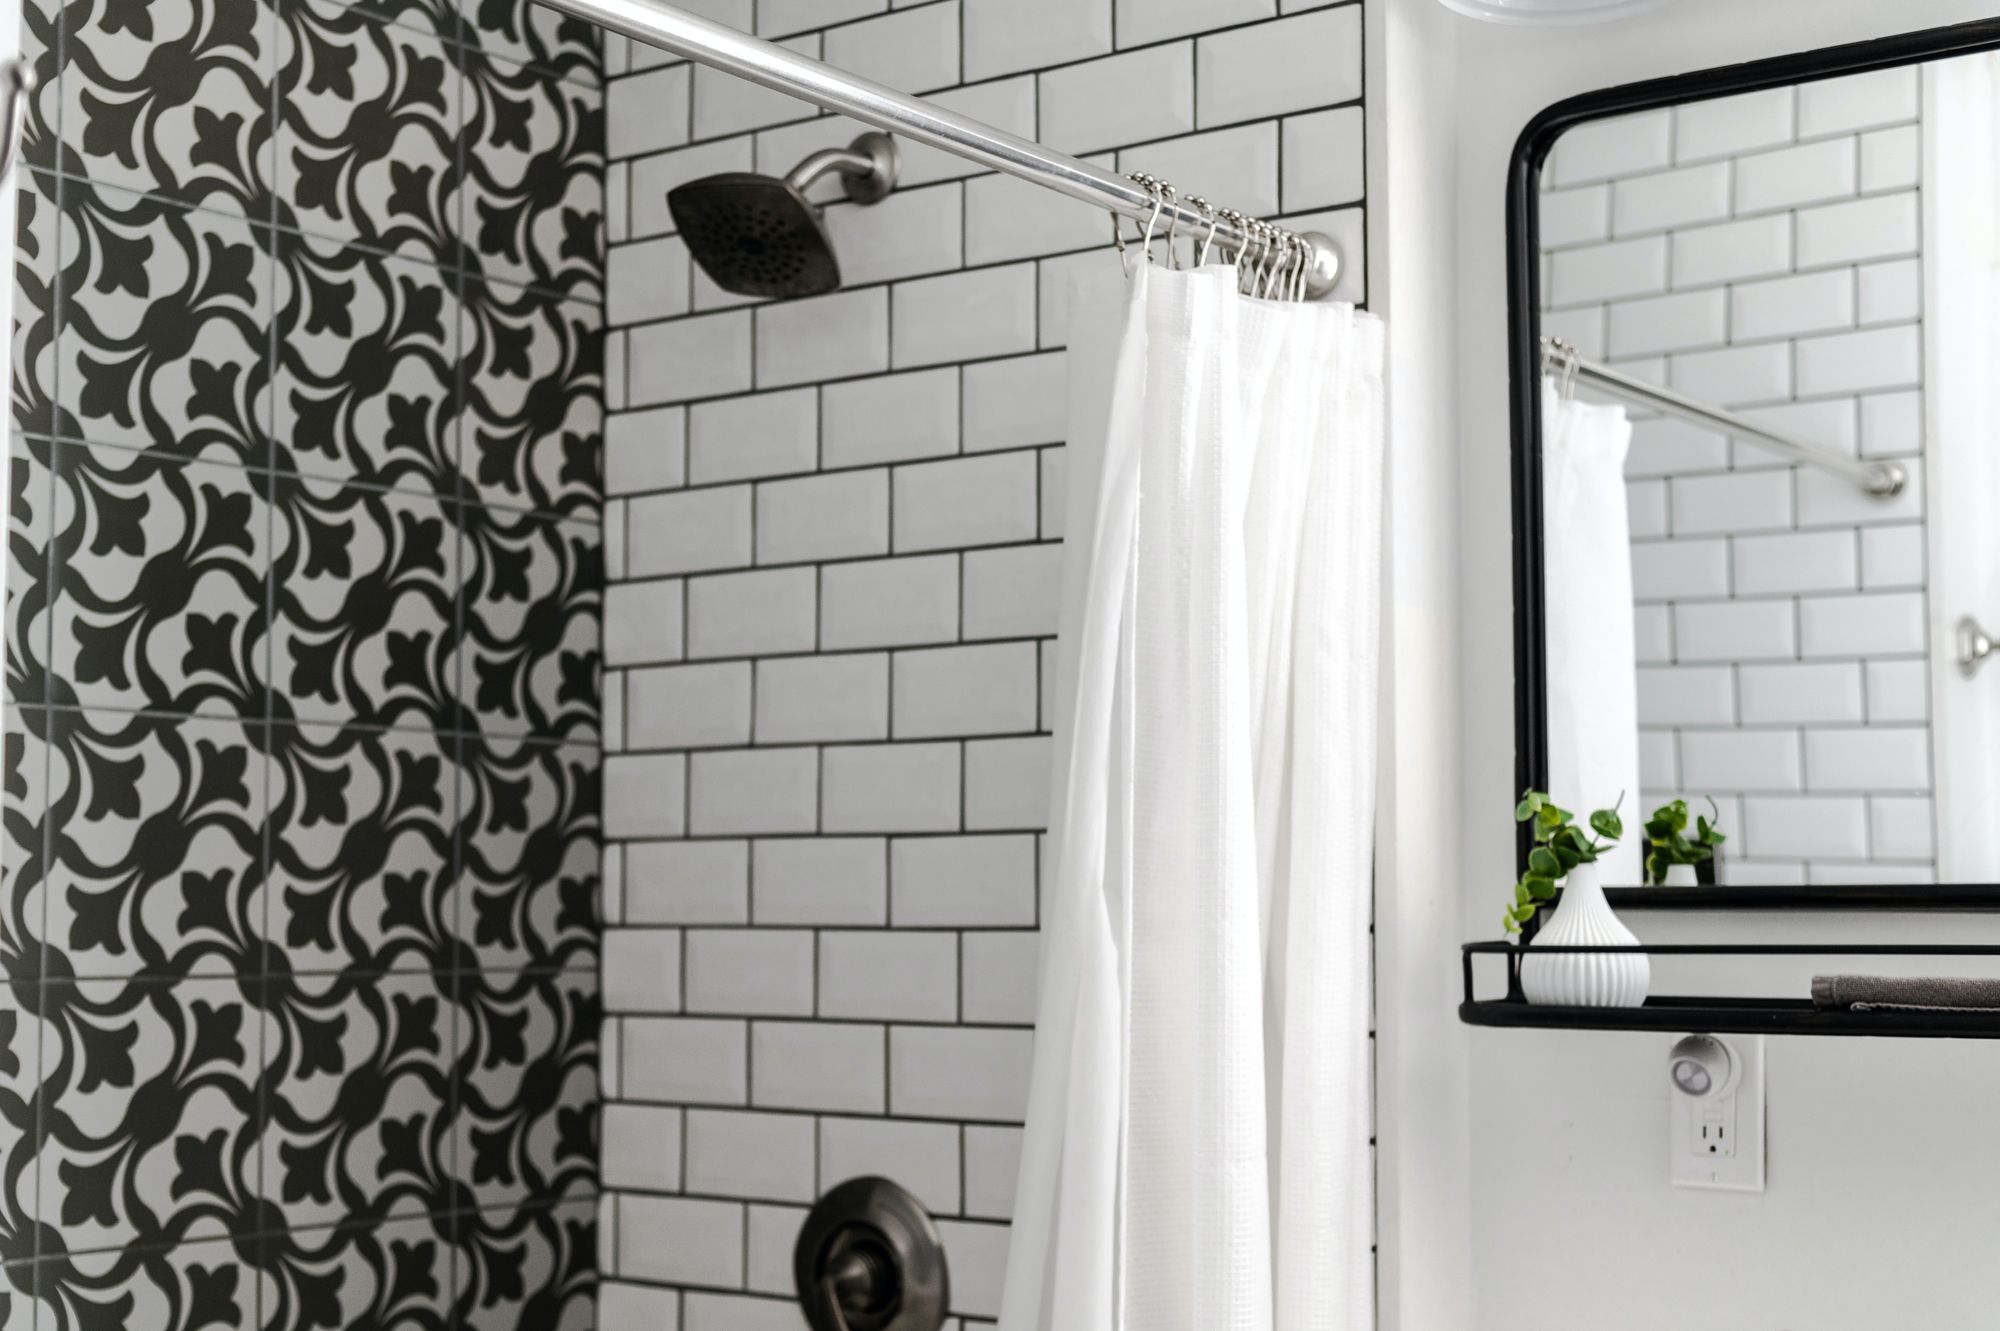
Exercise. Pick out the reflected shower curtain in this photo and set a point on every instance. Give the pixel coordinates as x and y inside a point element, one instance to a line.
<point>1197,1153</point>
<point>1592,677</point>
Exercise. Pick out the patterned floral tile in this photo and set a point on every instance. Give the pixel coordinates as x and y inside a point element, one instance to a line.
<point>149,1092</point>
<point>41,21</point>
<point>528,1266</point>
<point>533,196</point>
<point>30,494</point>
<point>359,1098</point>
<point>156,840</point>
<point>526,1127</point>
<point>533,34</point>
<point>34,332</point>
<point>166,322</point>
<point>17,1296</point>
<point>393,1276</point>
<point>529,817</point>
<point>366,381</point>
<point>532,589</point>
<point>171,97</point>
<point>368,142</point>
<point>209,1286</point>
<point>365,591</point>
<point>533,419</point>
<point>362,836</point>
<point>24,829</point>
<point>159,583</point>
<point>435,18</point>
<point>20,1079</point>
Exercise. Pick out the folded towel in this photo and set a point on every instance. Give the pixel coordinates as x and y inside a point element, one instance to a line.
<point>1889,993</point>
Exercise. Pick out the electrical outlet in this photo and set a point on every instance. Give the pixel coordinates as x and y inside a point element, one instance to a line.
<point>1717,1134</point>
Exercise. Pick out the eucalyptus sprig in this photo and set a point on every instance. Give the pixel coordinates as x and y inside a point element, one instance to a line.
<point>1560,846</point>
<point>1668,843</point>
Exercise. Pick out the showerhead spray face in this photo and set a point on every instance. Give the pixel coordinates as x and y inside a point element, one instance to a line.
<point>757,235</point>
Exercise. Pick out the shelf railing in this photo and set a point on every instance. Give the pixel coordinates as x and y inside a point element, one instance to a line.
<point>1723,1015</point>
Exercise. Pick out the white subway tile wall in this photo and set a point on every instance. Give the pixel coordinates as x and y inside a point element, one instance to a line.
<point>1761,252</point>
<point>829,632</point>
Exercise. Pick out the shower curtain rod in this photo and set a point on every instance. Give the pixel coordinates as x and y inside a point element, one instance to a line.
<point>675,30</point>
<point>1884,480</point>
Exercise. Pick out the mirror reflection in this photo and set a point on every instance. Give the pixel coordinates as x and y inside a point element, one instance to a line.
<point>1766,584</point>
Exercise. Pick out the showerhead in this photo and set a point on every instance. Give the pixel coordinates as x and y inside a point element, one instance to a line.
<point>758,235</point>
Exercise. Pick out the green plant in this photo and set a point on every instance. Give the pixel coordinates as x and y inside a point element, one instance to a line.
<point>1560,846</point>
<point>1669,844</point>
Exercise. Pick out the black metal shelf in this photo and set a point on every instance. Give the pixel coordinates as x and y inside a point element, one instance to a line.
<point>1962,898</point>
<point>1727,1016</point>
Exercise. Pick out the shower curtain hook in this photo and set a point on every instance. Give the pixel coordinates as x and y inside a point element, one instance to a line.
<point>1207,210</point>
<point>1152,188</point>
<point>1301,256</point>
<point>1232,251</point>
<point>1564,355</point>
<point>1173,222</point>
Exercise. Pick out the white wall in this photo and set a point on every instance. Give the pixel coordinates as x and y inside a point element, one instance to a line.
<point>1884,1193</point>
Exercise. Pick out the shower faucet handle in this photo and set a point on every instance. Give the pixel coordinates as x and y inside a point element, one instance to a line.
<point>868,167</point>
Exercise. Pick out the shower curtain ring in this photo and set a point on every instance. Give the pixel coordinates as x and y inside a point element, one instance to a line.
<point>1173,221</point>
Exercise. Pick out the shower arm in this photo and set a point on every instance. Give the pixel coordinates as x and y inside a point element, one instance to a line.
<point>844,160</point>
<point>868,166</point>
<point>670,29</point>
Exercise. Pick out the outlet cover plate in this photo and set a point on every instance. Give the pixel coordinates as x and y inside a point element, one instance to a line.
<point>1719,1142</point>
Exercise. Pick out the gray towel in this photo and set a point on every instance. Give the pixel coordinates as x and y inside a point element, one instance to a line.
<point>1889,993</point>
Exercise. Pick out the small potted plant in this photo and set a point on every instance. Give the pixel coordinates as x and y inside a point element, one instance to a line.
<point>1671,854</point>
<point>1565,857</point>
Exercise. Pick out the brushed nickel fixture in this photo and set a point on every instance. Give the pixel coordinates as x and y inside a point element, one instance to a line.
<point>868,1258</point>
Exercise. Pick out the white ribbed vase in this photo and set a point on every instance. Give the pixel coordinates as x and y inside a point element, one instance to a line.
<point>1585,979</point>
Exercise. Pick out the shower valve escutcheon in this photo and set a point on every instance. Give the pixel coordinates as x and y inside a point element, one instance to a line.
<point>868,1258</point>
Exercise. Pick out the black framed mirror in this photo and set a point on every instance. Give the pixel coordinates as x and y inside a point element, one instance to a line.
<point>1751,483</point>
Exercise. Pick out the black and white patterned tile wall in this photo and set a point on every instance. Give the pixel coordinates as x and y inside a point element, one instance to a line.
<point>298,921</point>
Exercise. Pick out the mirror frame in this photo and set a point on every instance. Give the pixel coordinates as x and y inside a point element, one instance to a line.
<point>1524,321</point>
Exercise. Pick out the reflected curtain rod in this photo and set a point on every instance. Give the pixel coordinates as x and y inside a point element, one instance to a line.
<point>1884,480</point>
<point>774,66</point>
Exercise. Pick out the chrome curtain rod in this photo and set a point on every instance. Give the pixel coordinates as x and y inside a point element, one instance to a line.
<point>1884,480</point>
<point>671,29</point>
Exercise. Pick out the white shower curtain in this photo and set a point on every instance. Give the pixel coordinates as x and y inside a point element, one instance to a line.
<point>1196,1157</point>
<point>1593,683</point>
